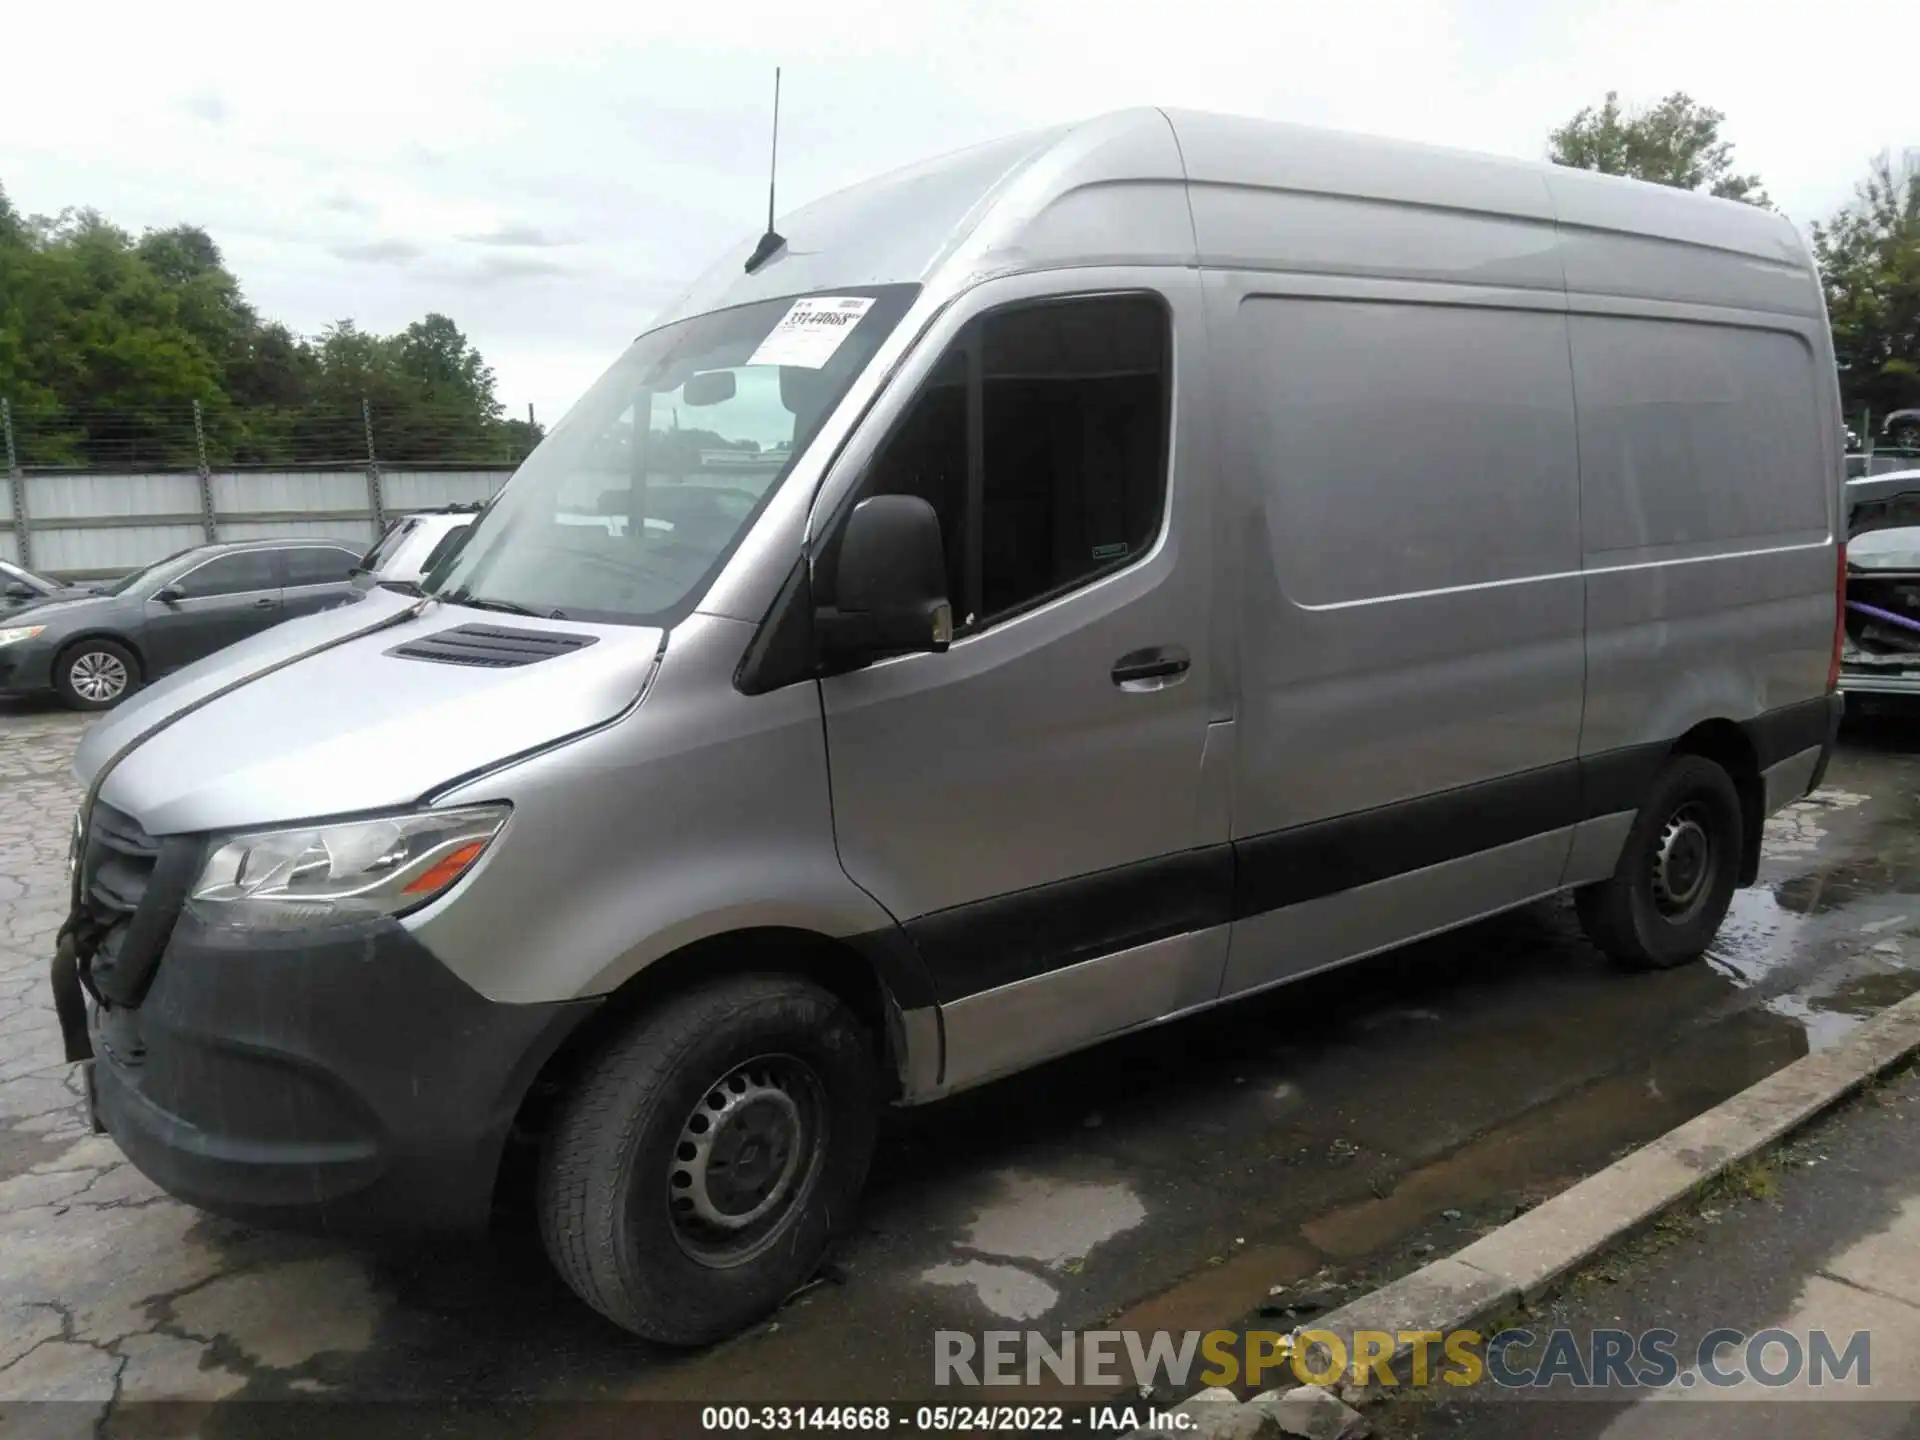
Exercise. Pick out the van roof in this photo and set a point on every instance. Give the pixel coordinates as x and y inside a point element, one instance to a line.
<point>1148,186</point>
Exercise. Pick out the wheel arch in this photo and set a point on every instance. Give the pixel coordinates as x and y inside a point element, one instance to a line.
<point>866,973</point>
<point>119,637</point>
<point>1726,744</point>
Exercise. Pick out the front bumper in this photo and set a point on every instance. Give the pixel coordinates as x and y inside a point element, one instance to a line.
<point>342,1082</point>
<point>1864,680</point>
<point>26,667</point>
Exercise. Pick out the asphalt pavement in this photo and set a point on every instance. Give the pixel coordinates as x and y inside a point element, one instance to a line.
<point>1311,1137</point>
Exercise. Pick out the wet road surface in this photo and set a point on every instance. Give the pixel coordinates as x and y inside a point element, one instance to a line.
<point>1309,1138</point>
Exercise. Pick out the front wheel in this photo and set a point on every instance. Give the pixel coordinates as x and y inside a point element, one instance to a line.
<point>700,1167</point>
<point>95,674</point>
<point>1676,875</point>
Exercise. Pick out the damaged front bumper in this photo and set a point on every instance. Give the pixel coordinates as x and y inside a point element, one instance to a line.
<point>1871,680</point>
<point>1881,651</point>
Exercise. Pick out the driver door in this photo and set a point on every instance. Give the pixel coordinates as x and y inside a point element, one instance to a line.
<point>1028,804</point>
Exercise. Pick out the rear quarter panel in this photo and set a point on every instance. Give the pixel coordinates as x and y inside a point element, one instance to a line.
<point>1708,517</point>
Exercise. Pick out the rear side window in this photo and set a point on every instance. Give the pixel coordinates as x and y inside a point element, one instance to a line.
<point>1041,442</point>
<point>319,565</point>
<point>232,575</point>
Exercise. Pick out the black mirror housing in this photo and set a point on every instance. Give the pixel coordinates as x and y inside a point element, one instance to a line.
<point>891,584</point>
<point>168,594</point>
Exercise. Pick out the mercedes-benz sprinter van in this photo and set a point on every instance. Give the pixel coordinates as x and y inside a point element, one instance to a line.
<point>1065,586</point>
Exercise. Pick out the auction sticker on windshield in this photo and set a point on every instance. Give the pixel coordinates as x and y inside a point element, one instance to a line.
<point>811,331</point>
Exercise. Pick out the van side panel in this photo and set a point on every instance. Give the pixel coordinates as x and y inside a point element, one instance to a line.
<point>1707,539</point>
<point>1411,612</point>
<point>1710,450</point>
<point>1410,608</point>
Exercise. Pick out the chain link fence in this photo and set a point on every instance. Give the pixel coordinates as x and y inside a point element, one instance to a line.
<point>355,431</point>
<point>95,493</point>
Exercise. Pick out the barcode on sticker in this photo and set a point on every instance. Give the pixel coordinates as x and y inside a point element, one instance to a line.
<point>811,331</point>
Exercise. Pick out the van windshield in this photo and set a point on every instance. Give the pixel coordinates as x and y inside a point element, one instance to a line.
<point>626,511</point>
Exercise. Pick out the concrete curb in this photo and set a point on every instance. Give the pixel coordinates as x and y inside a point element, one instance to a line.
<point>1523,1258</point>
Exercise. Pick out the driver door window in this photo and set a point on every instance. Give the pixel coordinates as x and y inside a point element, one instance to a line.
<point>1040,440</point>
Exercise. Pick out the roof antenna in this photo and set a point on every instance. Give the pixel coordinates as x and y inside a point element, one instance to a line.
<point>771,242</point>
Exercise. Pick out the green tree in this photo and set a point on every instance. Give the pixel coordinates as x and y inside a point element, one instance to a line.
<point>13,230</point>
<point>1676,142</point>
<point>101,334</point>
<point>19,278</point>
<point>519,437</point>
<point>107,344</point>
<point>1869,257</point>
<point>442,362</point>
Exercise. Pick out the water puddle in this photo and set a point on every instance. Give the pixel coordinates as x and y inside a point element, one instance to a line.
<point>1006,1290</point>
<point>1826,945</point>
<point>1052,1221</point>
<point>1048,1222</point>
<point>1840,886</point>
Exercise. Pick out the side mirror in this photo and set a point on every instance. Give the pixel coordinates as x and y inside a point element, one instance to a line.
<point>891,584</point>
<point>169,594</point>
<point>16,591</point>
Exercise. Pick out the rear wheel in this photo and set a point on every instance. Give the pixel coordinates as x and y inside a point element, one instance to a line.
<point>95,674</point>
<point>1677,874</point>
<point>701,1166</point>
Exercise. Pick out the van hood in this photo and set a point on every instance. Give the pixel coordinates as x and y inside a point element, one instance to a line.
<point>319,717</point>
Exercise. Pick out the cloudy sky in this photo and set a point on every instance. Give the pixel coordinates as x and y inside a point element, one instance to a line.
<point>550,174</point>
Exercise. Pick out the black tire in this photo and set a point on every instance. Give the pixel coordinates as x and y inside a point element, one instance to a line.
<point>1663,908</point>
<point>84,674</point>
<point>615,1180</point>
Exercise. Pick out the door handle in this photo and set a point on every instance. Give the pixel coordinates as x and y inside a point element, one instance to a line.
<point>265,602</point>
<point>1154,668</point>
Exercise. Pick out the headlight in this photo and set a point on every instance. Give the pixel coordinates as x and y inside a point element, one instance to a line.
<point>14,634</point>
<point>322,874</point>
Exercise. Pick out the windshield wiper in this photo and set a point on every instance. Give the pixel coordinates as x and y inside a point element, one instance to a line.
<point>405,587</point>
<point>507,607</point>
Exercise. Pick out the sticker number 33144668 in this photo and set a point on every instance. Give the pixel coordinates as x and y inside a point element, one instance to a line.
<point>811,330</point>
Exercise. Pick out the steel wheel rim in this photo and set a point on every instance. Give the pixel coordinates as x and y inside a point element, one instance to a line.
<point>745,1160</point>
<point>1684,858</point>
<point>97,676</point>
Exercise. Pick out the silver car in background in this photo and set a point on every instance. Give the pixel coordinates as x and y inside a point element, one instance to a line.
<point>1055,589</point>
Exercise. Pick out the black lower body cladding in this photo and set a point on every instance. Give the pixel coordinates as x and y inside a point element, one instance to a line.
<point>342,1081</point>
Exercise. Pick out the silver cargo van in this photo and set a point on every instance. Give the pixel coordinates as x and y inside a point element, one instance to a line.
<point>1068,585</point>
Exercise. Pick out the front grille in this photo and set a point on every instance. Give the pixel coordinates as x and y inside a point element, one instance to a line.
<point>118,863</point>
<point>494,646</point>
<point>131,890</point>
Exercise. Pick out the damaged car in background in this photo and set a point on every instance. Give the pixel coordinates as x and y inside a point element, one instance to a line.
<point>1881,654</point>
